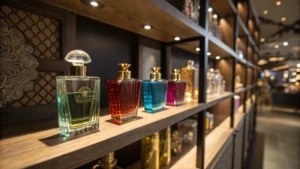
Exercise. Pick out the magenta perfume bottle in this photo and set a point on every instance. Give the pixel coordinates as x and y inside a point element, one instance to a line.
<point>176,89</point>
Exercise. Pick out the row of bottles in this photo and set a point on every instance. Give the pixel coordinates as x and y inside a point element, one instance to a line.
<point>214,25</point>
<point>78,96</point>
<point>215,83</point>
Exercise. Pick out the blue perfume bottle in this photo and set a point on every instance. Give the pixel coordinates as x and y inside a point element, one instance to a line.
<point>155,91</point>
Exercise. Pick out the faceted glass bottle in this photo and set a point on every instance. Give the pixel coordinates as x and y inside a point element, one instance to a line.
<point>123,96</point>
<point>190,74</point>
<point>78,97</point>
<point>176,89</point>
<point>155,92</point>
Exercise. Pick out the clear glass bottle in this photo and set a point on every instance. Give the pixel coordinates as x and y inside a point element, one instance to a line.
<point>165,147</point>
<point>155,92</point>
<point>209,83</point>
<point>78,97</point>
<point>123,96</point>
<point>219,79</point>
<point>190,74</point>
<point>150,152</point>
<point>176,89</point>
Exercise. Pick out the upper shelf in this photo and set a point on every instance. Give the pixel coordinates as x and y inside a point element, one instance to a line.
<point>166,20</point>
<point>47,148</point>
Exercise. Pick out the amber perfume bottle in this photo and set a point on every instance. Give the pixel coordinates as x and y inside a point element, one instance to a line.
<point>150,152</point>
<point>123,96</point>
<point>176,89</point>
<point>190,74</point>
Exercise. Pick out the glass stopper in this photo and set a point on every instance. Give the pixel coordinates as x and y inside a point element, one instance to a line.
<point>78,57</point>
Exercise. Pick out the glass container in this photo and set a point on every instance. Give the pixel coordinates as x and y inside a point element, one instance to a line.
<point>78,97</point>
<point>176,89</point>
<point>190,74</point>
<point>123,96</point>
<point>155,92</point>
<point>150,152</point>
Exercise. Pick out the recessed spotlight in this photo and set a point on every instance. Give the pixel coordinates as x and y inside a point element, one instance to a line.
<point>283,19</point>
<point>298,65</point>
<point>197,49</point>
<point>262,39</point>
<point>177,38</point>
<point>278,3</point>
<point>147,27</point>
<point>266,12</point>
<point>210,9</point>
<point>294,73</point>
<point>94,3</point>
<point>218,57</point>
<point>215,16</point>
<point>285,43</point>
<point>208,53</point>
<point>276,46</point>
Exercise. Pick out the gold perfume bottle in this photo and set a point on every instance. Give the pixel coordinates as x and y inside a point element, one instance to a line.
<point>165,147</point>
<point>190,74</point>
<point>150,152</point>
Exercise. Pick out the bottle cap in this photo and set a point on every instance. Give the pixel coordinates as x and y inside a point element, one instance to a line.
<point>78,58</point>
<point>176,74</point>
<point>124,73</point>
<point>155,75</point>
<point>190,63</point>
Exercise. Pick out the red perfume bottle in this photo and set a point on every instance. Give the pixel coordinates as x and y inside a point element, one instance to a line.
<point>123,96</point>
<point>176,89</point>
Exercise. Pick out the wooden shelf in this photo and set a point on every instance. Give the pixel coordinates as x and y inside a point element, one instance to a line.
<point>223,7</point>
<point>166,20</point>
<point>47,148</point>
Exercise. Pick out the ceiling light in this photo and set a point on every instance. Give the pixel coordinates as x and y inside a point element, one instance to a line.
<point>197,49</point>
<point>147,27</point>
<point>266,12</point>
<point>218,57</point>
<point>262,39</point>
<point>94,3</point>
<point>177,38</point>
<point>278,3</point>
<point>273,59</point>
<point>210,9</point>
<point>215,16</point>
<point>298,65</point>
<point>276,46</point>
<point>285,43</point>
<point>283,19</point>
<point>208,53</point>
<point>262,62</point>
<point>280,58</point>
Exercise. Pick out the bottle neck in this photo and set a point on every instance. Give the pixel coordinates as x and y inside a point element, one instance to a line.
<point>78,70</point>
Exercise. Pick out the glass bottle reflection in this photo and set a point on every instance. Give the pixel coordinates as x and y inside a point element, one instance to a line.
<point>176,89</point>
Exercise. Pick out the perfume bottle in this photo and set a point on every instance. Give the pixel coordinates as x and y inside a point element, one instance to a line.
<point>176,89</point>
<point>123,96</point>
<point>165,147</point>
<point>150,152</point>
<point>108,161</point>
<point>78,97</point>
<point>155,91</point>
<point>190,74</point>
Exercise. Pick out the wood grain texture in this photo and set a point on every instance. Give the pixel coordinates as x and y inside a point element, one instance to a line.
<point>224,7</point>
<point>46,148</point>
<point>166,20</point>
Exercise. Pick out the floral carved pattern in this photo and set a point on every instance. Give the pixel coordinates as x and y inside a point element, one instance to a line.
<point>17,64</point>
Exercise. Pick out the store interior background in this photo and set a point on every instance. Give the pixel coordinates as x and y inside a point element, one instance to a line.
<point>278,123</point>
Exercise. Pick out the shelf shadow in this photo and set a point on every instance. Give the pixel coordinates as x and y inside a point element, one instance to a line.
<point>59,139</point>
<point>112,121</point>
<point>159,111</point>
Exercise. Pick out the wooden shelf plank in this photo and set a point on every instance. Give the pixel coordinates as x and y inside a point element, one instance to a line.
<point>223,7</point>
<point>47,148</point>
<point>166,20</point>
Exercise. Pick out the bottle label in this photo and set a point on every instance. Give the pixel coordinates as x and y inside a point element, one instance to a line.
<point>84,95</point>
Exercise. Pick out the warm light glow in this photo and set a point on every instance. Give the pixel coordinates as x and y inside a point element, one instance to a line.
<point>266,12</point>
<point>278,3</point>
<point>280,58</point>
<point>297,83</point>
<point>197,49</point>
<point>297,70</point>
<point>262,39</point>
<point>210,9</point>
<point>262,62</point>
<point>147,27</point>
<point>273,59</point>
<point>280,67</point>
<point>283,19</point>
<point>276,46</point>
<point>94,3</point>
<point>177,38</point>
<point>298,65</point>
<point>208,53</point>
<point>285,43</point>
<point>294,73</point>
<point>188,99</point>
<point>215,16</point>
<point>218,57</point>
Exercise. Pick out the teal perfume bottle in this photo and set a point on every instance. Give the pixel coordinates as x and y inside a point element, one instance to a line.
<point>78,97</point>
<point>155,92</point>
